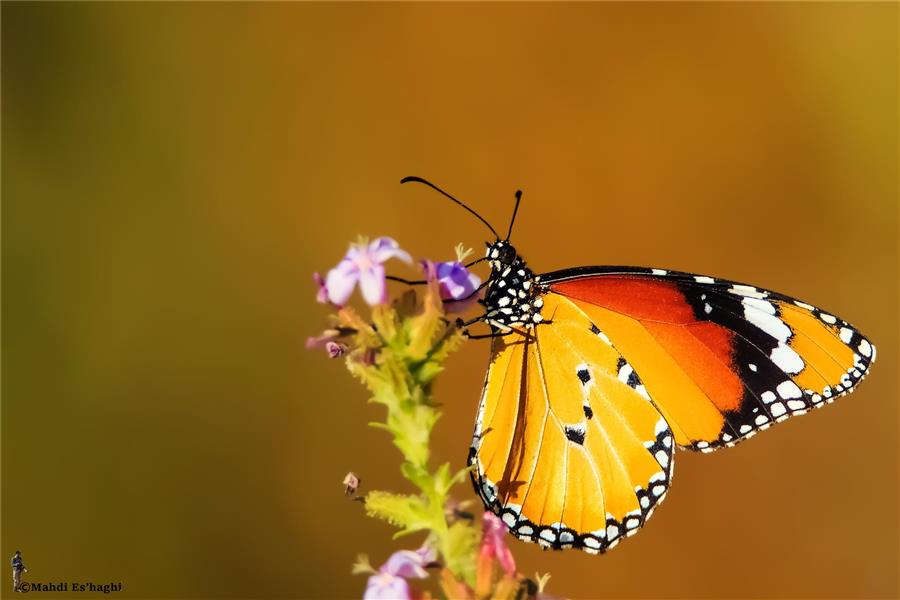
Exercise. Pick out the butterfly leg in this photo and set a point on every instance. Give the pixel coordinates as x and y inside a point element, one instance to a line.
<point>406,281</point>
<point>485,336</point>
<point>463,324</point>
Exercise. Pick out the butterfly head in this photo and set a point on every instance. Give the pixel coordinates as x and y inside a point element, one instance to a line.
<point>502,254</point>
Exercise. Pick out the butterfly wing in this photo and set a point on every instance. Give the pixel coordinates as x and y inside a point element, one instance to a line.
<point>568,448</point>
<point>721,360</point>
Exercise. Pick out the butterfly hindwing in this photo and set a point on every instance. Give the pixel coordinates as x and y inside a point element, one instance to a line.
<point>568,448</point>
<point>720,359</point>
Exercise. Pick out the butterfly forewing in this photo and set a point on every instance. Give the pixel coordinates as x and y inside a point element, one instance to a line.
<point>720,359</point>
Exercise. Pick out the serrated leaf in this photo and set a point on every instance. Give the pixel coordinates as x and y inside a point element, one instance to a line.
<point>407,512</point>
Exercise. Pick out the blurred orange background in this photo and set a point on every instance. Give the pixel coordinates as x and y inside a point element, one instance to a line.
<point>174,173</point>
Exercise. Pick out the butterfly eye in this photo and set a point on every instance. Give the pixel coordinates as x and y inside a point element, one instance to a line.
<point>507,255</point>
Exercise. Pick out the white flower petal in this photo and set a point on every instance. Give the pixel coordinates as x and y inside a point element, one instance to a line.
<point>340,282</point>
<point>371,283</point>
<point>385,248</point>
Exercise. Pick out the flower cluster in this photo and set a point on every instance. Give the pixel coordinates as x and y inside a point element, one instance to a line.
<point>397,353</point>
<point>364,265</point>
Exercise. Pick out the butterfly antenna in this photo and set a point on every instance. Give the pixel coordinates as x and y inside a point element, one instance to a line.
<point>515,211</point>
<point>436,188</point>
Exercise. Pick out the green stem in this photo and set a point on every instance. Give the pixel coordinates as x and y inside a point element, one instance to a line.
<point>410,347</point>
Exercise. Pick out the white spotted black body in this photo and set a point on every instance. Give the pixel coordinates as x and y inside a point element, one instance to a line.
<point>513,297</point>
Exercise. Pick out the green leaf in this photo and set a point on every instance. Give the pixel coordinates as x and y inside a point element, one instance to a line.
<point>459,548</point>
<point>443,480</point>
<point>417,475</point>
<point>407,512</point>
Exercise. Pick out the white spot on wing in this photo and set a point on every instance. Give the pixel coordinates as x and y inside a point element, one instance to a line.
<point>746,290</point>
<point>612,532</point>
<point>662,458</point>
<point>625,372</point>
<point>788,389</point>
<point>658,476</point>
<point>796,405</point>
<point>661,426</point>
<point>787,359</point>
<point>865,348</point>
<point>767,321</point>
<point>763,305</point>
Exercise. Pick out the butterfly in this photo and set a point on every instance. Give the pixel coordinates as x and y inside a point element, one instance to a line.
<point>597,375</point>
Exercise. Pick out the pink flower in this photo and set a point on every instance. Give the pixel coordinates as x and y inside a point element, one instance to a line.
<point>493,530</point>
<point>389,583</point>
<point>363,264</point>
<point>335,349</point>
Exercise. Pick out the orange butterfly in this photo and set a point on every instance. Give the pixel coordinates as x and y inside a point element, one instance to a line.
<point>598,373</point>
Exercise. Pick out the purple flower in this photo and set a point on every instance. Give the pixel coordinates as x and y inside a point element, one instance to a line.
<point>457,284</point>
<point>389,583</point>
<point>335,349</point>
<point>384,586</point>
<point>410,564</point>
<point>363,264</point>
<point>493,546</point>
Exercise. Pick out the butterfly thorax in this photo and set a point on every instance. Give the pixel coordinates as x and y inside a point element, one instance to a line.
<point>513,294</point>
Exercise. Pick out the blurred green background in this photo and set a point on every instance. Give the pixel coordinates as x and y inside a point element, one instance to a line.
<point>174,173</point>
